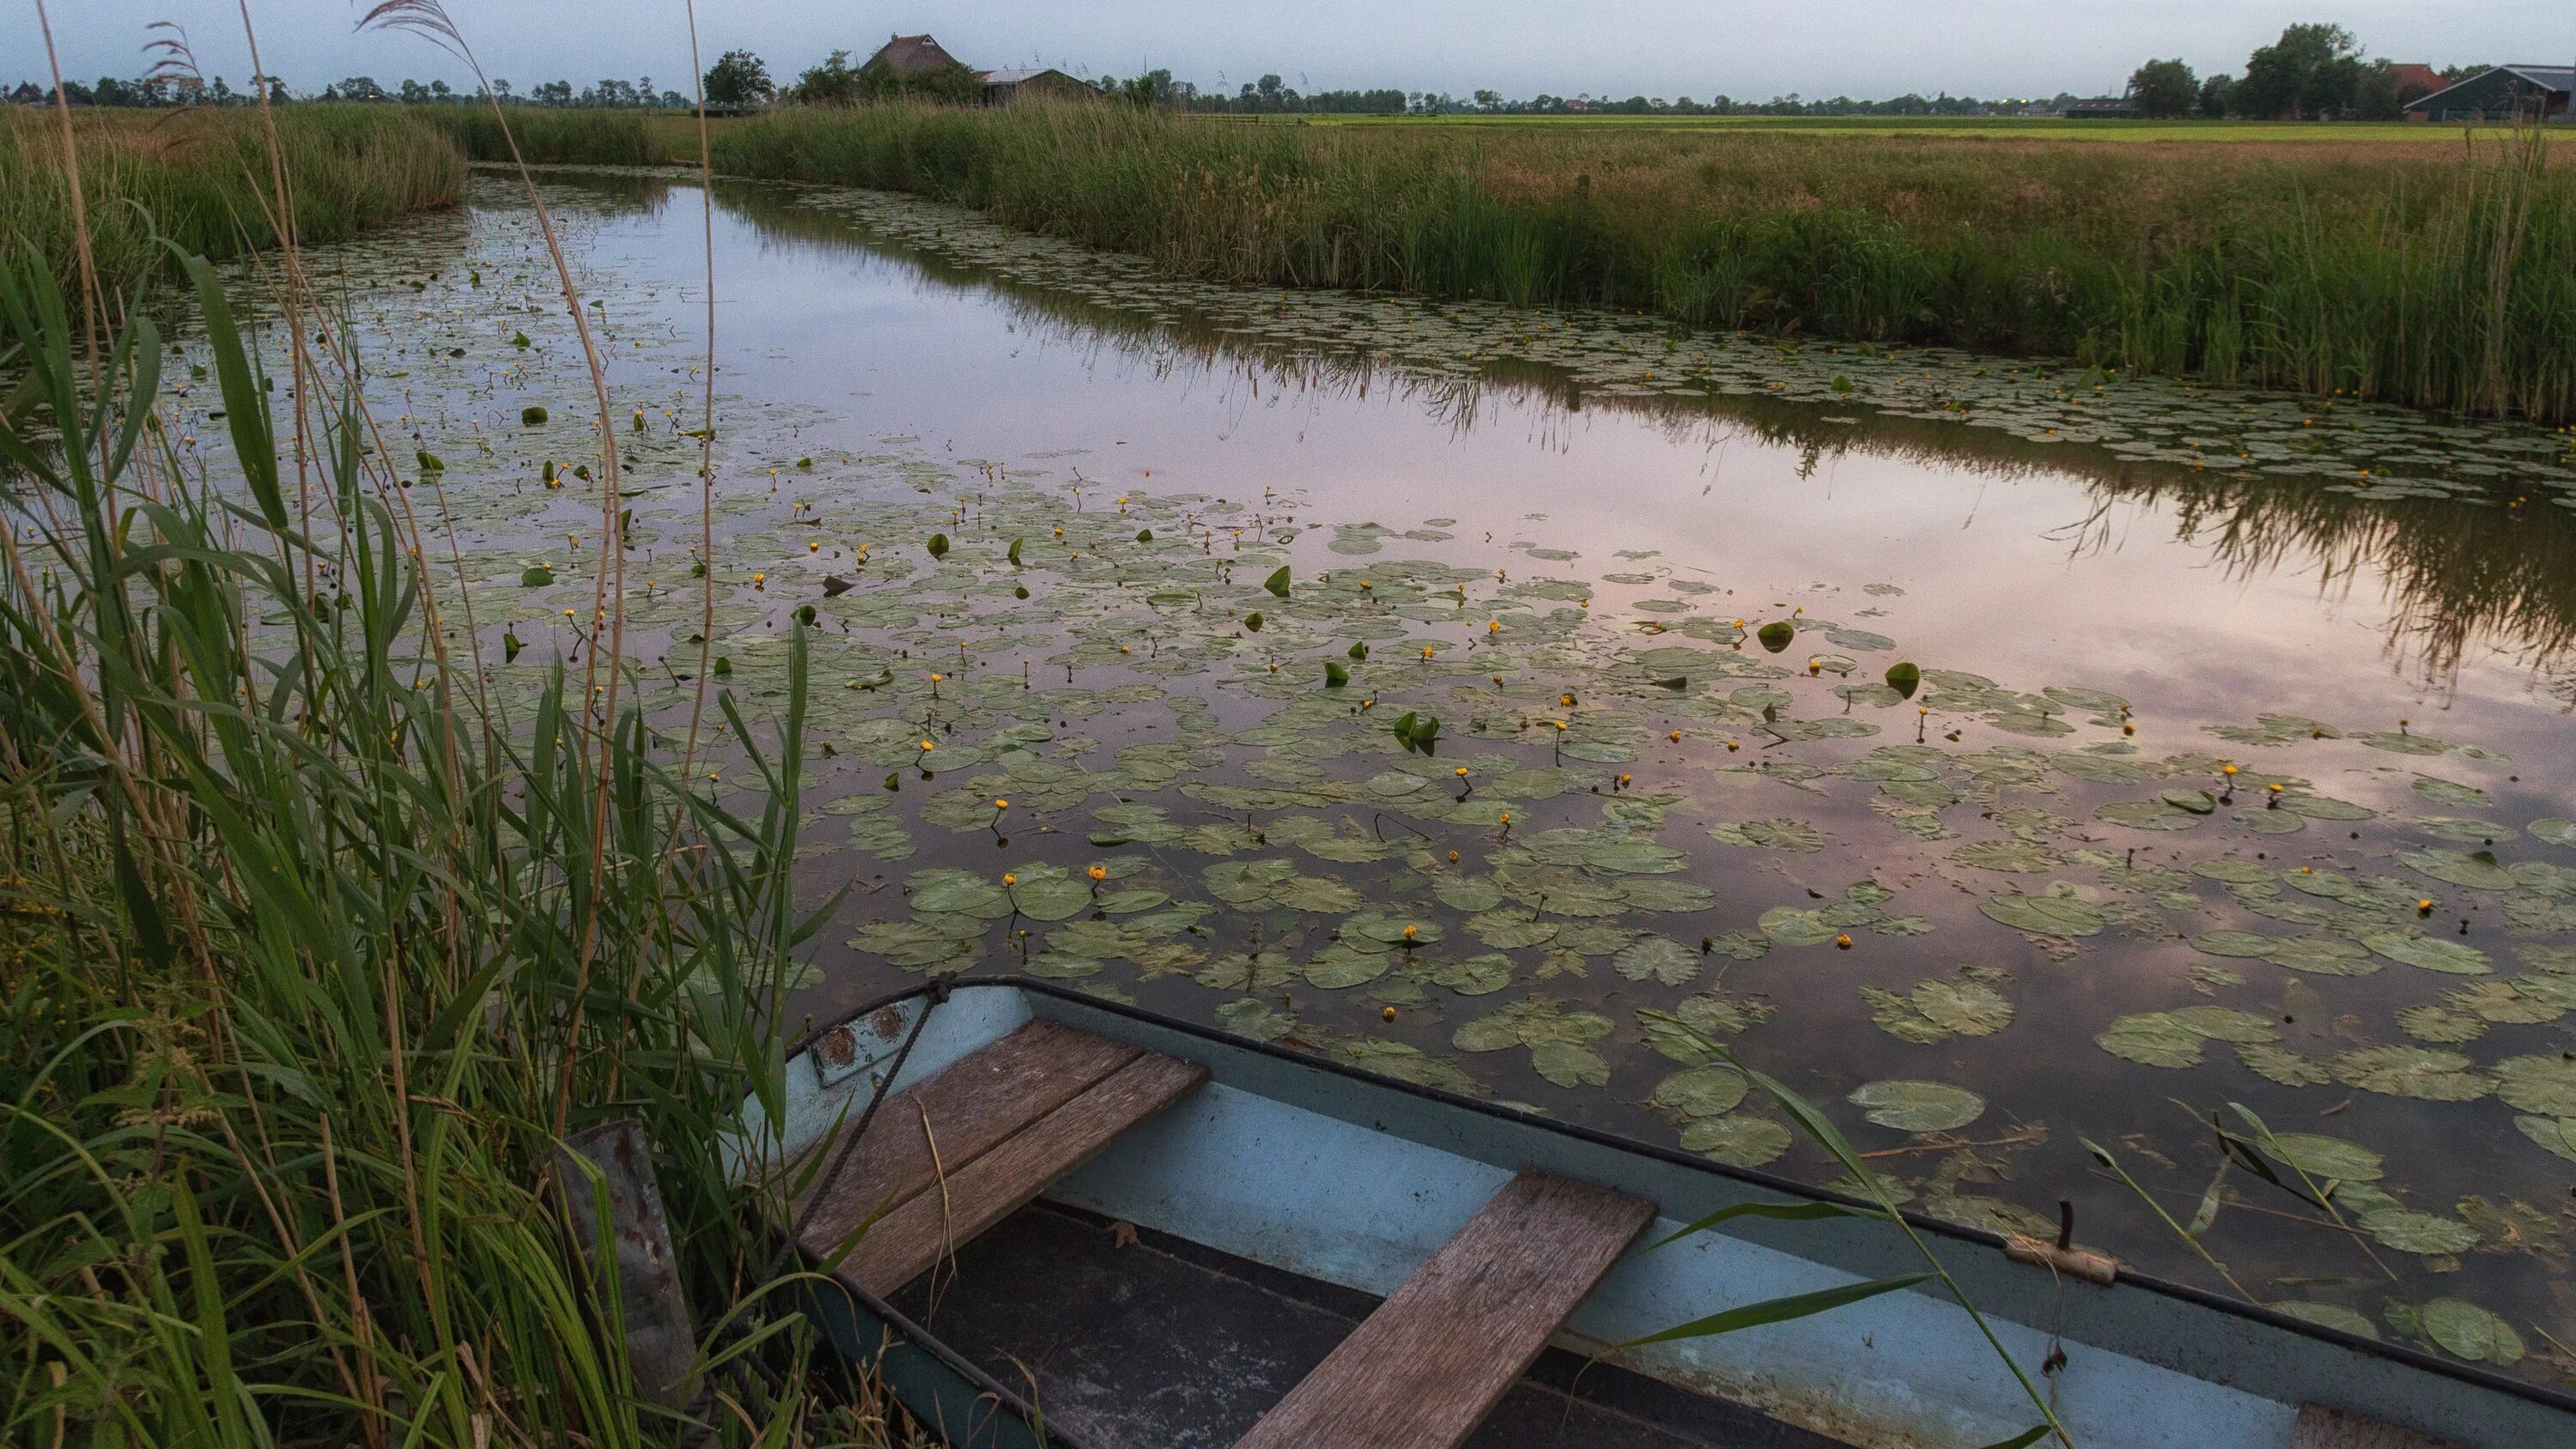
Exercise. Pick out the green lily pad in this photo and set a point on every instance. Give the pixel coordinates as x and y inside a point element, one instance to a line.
<point>2045,915</point>
<point>2477,872</point>
<point>2471,1332</point>
<point>2452,793</point>
<point>2152,1038</point>
<point>2554,832</point>
<point>1964,1007</point>
<point>1475,975</point>
<point>1255,1019</point>
<point>2414,1232</point>
<point>1737,1140</point>
<point>1917,1106</point>
<point>2329,1315</point>
<point>2422,1073</point>
<point>2327,1157</point>
<point>2433,953</point>
<point>2542,1084</point>
<point>1701,1092</point>
<point>1657,958</point>
<point>1570,1064</point>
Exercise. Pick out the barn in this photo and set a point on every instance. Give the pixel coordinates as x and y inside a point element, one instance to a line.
<point>2506,93</point>
<point>1004,86</point>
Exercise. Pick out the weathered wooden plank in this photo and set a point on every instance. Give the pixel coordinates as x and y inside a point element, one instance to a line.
<point>1424,1369</point>
<point>2319,1427</point>
<point>907,1241</point>
<point>964,1109</point>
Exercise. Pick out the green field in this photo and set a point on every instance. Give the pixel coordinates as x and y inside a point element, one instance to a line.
<point>2044,129</point>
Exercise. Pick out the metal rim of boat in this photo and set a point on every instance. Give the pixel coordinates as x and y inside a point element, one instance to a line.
<point>2253,1312</point>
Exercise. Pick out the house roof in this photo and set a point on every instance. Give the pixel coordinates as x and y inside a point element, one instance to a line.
<point>1012,77</point>
<point>913,54</point>
<point>2547,77</point>
<point>2409,73</point>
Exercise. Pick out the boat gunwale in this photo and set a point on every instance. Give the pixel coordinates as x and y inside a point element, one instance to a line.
<point>2255,1313</point>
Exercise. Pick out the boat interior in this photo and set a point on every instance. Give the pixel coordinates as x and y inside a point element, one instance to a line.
<point>1049,1221</point>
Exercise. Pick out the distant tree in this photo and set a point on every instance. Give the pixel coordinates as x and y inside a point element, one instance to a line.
<point>1489,101</point>
<point>2312,70</point>
<point>833,83</point>
<point>738,79</point>
<point>2376,94</point>
<point>2218,97</point>
<point>2164,88</point>
<point>358,88</point>
<point>949,84</point>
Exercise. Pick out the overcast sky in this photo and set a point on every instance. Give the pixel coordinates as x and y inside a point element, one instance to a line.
<point>1667,48</point>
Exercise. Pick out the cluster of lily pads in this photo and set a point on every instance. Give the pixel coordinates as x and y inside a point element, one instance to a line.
<point>1489,820</point>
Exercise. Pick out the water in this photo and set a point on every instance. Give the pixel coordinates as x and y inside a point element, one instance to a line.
<point>942,377</point>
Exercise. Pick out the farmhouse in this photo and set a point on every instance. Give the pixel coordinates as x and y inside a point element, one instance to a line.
<point>2101,108</point>
<point>912,55</point>
<point>2506,93</point>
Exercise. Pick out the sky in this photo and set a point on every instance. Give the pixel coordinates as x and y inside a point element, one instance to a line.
<point>1664,48</point>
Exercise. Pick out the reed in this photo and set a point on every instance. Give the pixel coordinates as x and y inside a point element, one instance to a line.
<point>2422,275</point>
<point>201,179</point>
<point>312,959</point>
<point>554,137</point>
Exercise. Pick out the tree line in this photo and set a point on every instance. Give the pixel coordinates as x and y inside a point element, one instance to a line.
<point>2313,72</point>
<point>157,91</point>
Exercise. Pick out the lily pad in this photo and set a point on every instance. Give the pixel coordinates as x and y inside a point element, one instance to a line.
<point>2471,1332</point>
<point>1917,1106</point>
<point>1701,1092</point>
<point>2046,915</point>
<point>1738,1140</point>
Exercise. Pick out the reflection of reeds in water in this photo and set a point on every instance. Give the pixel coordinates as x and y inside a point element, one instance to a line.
<point>2430,280</point>
<point>2457,574</point>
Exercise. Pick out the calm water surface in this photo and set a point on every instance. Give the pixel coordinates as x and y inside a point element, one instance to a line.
<point>2199,599</point>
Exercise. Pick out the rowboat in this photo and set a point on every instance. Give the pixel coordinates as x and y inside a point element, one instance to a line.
<point>1049,1219</point>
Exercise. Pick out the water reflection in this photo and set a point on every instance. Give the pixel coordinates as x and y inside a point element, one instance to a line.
<point>2459,575</point>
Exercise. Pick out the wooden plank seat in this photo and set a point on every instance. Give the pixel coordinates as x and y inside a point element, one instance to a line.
<point>946,1159</point>
<point>1424,1369</point>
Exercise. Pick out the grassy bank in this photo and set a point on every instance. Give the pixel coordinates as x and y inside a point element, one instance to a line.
<point>203,179</point>
<point>2439,278</point>
<point>311,960</point>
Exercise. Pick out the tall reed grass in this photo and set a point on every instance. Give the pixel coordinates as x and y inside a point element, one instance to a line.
<point>200,179</point>
<point>547,137</point>
<point>2438,279</point>
<point>311,959</point>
